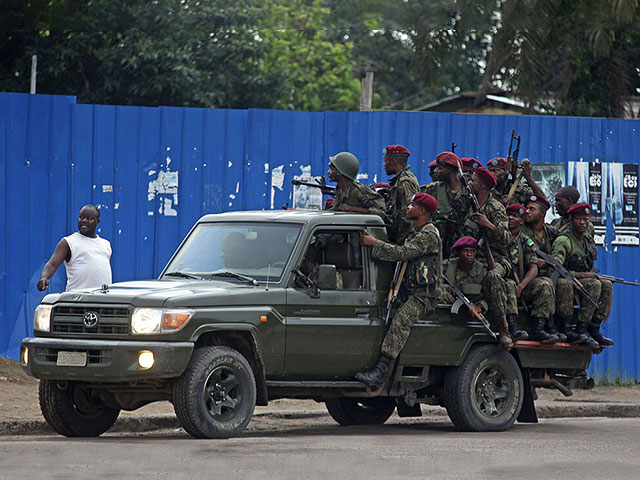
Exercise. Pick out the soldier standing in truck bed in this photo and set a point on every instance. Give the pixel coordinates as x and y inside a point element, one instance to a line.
<point>453,199</point>
<point>498,166</point>
<point>577,251</point>
<point>402,187</point>
<point>423,252</point>
<point>351,195</point>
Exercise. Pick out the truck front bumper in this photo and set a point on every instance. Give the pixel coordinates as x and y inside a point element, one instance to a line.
<point>105,360</point>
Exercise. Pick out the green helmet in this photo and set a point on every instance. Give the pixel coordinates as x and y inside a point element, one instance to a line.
<point>346,164</point>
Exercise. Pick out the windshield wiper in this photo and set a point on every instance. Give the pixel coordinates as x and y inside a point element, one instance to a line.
<point>183,275</point>
<point>251,280</point>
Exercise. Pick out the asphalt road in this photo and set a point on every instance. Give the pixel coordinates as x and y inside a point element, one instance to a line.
<point>580,448</point>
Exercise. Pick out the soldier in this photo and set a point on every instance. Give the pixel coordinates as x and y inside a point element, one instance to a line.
<point>351,195</point>
<point>453,199</point>
<point>471,276</point>
<point>543,237</point>
<point>565,198</point>
<point>526,284</point>
<point>432,171</point>
<point>498,166</point>
<point>403,185</point>
<point>469,165</point>
<point>577,251</point>
<point>423,252</point>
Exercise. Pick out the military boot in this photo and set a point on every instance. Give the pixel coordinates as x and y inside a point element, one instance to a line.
<point>513,329</point>
<point>377,376</point>
<point>597,335</point>
<point>550,327</point>
<point>564,324</point>
<point>538,333</point>
<point>504,338</point>
<point>581,328</point>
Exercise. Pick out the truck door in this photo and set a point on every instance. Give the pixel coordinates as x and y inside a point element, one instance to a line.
<point>333,333</point>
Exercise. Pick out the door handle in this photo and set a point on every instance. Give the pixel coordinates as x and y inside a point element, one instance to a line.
<point>362,312</point>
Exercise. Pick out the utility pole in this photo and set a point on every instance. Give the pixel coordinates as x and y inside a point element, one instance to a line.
<point>366,94</point>
<point>34,69</point>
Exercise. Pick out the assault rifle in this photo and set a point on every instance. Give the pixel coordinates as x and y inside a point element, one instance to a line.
<point>616,280</point>
<point>319,182</point>
<point>394,288</point>
<point>512,156</point>
<point>473,310</point>
<point>564,273</point>
<point>491,263</point>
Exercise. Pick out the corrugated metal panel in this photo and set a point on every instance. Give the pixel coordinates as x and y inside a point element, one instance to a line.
<point>57,156</point>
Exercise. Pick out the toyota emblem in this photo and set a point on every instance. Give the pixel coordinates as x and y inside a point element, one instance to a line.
<point>90,319</point>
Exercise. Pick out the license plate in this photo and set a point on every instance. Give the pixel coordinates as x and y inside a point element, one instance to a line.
<point>71,359</point>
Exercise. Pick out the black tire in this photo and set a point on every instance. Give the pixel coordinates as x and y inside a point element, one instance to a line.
<point>361,411</point>
<point>74,411</point>
<point>216,395</point>
<point>486,392</point>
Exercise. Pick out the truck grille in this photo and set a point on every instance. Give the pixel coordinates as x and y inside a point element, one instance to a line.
<point>111,320</point>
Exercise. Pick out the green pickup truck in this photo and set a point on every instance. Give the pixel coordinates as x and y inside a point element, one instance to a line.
<point>256,306</point>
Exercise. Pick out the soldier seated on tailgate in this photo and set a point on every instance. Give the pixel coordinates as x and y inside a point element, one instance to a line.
<point>422,250</point>
<point>402,187</point>
<point>471,276</point>
<point>577,251</point>
<point>525,284</point>
<point>351,195</point>
<point>453,199</point>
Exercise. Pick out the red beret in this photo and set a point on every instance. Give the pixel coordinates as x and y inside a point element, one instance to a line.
<point>539,200</point>
<point>516,209</point>
<point>448,159</point>
<point>465,242</point>
<point>425,201</point>
<point>395,150</point>
<point>379,185</point>
<point>581,209</point>
<point>328,203</point>
<point>486,177</point>
<point>432,164</point>
<point>469,162</point>
<point>499,162</point>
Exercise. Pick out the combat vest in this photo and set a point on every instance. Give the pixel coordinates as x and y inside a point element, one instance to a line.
<point>471,286</point>
<point>581,259</point>
<point>425,271</point>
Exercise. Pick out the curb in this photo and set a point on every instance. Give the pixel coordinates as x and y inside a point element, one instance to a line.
<point>163,422</point>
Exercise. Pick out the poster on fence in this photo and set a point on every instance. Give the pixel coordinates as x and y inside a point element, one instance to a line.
<point>549,177</point>
<point>612,191</point>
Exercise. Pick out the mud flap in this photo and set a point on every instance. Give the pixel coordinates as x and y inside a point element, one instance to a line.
<point>528,411</point>
<point>405,410</point>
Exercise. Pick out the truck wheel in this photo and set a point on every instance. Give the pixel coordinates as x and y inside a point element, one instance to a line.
<point>216,395</point>
<point>74,411</point>
<point>361,411</point>
<point>486,392</point>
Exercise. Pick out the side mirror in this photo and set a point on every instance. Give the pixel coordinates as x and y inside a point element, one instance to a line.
<point>327,277</point>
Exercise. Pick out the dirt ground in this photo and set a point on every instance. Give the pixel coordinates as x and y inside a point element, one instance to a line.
<point>19,398</point>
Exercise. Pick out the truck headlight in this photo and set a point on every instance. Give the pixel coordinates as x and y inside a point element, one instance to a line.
<point>42,318</point>
<point>145,321</point>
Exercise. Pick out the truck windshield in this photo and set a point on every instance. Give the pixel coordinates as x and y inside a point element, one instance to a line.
<point>256,250</point>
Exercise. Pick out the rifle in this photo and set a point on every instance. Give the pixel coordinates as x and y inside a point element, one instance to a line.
<point>515,184</point>
<point>453,147</point>
<point>475,206</point>
<point>564,273</point>
<point>471,307</point>
<point>394,288</point>
<point>616,280</point>
<point>319,183</point>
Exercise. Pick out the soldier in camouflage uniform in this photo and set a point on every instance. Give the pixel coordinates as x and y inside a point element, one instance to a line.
<point>565,198</point>
<point>351,195</point>
<point>525,282</point>
<point>577,251</point>
<point>498,166</point>
<point>453,199</point>
<point>469,165</point>
<point>472,278</point>
<point>402,187</point>
<point>423,253</point>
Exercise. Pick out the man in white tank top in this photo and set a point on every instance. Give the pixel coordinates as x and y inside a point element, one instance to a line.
<point>86,256</point>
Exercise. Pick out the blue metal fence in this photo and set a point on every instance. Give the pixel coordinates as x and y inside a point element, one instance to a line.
<point>155,171</point>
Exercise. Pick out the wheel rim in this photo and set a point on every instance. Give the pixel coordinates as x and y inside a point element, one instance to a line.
<point>491,392</point>
<point>223,393</point>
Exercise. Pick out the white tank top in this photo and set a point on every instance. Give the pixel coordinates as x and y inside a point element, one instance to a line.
<point>89,266</point>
